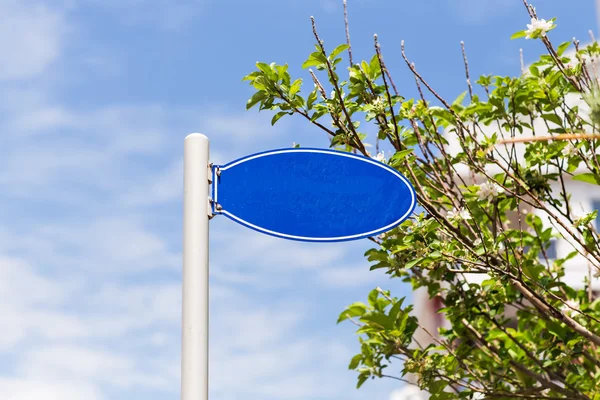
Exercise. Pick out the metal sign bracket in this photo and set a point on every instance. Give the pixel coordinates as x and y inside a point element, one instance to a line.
<point>215,175</point>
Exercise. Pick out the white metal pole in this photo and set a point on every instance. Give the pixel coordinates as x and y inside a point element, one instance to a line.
<point>196,211</point>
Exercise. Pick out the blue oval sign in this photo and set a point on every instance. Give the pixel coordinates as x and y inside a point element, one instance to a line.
<point>312,195</point>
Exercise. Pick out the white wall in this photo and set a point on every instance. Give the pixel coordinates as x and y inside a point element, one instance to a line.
<point>505,150</point>
<point>582,196</point>
<point>576,269</point>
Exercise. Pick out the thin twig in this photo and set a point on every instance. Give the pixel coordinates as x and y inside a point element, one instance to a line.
<point>543,381</point>
<point>464,54</point>
<point>384,69</point>
<point>347,33</point>
<point>387,90</point>
<point>350,128</point>
<point>318,84</point>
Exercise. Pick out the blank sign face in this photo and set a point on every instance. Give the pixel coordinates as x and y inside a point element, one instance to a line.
<point>313,194</point>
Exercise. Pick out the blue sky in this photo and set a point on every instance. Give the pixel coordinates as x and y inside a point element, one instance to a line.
<point>96,97</point>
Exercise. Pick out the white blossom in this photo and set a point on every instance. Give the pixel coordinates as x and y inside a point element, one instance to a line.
<point>489,190</point>
<point>378,105</point>
<point>538,26</point>
<point>569,305</point>
<point>380,157</point>
<point>577,217</point>
<point>569,150</point>
<point>460,214</point>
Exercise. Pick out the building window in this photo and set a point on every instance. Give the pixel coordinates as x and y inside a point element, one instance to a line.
<point>596,206</point>
<point>551,250</point>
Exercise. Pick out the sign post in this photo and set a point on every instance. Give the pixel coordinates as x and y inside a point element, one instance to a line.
<point>196,214</point>
<point>312,195</point>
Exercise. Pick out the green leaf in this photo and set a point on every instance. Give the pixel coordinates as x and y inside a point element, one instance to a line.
<point>354,310</point>
<point>282,72</point>
<point>563,46</point>
<point>379,319</point>
<point>338,50</point>
<point>553,118</point>
<point>513,354</point>
<point>437,386</point>
<point>373,296</point>
<point>396,309</point>
<point>258,96</point>
<point>361,379</point>
<point>374,67</point>
<point>277,116</point>
<point>518,35</point>
<point>412,263</point>
<point>399,157</point>
<point>266,68</point>
<point>316,59</point>
<point>312,97</point>
<point>252,76</point>
<point>583,221</point>
<point>496,334</point>
<point>295,87</point>
<point>557,330</point>
<point>588,177</point>
<point>355,361</point>
<point>459,100</point>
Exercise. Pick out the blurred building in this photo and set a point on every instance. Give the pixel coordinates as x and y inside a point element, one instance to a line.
<point>585,198</point>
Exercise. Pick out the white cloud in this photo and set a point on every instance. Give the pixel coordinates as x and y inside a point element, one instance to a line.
<point>273,253</point>
<point>31,38</point>
<point>35,307</point>
<point>151,304</point>
<point>231,135</point>
<point>90,281</point>
<point>163,187</point>
<point>51,147</point>
<point>241,129</point>
<point>55,363</point>
<point>262,326</point>
<point>256,343</point>
<point>17,277</point>
<point>29,306</point>
<point>258,347</point>
<point>350,276</point>
<point>409,392</point>
<point>244,258</point>
<point>260,261</point>
<point>29,389</point>
<point>80,364</point>
<point>105,245</point>
<point>54,325</point>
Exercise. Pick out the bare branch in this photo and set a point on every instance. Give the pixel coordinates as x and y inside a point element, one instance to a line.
<point>348,33</point>
<point>466,62</point>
